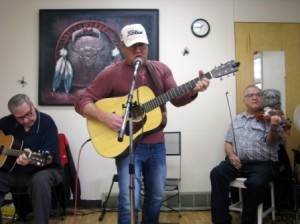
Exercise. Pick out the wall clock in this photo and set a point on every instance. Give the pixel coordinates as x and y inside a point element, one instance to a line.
<point>200,27</point>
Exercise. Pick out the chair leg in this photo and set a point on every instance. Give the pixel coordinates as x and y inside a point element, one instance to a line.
<point>241,195</point>
<point>168,198</point>
<point>14,218</point>
<point>260,213</point>
<point>179,204</point>
<point>273,202</point>
<point>60,207</point>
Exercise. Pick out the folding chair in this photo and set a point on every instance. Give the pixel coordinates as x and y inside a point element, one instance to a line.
<point>172,201</point>
<point>261,213</point>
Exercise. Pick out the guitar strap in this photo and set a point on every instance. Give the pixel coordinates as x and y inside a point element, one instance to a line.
<point>153,77</point>
<point>155,81</point>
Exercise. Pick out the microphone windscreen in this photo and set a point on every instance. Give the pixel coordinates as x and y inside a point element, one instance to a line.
<point>138,60</point>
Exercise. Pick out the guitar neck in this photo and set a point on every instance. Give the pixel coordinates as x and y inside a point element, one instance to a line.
<point>11,152</point>
<point>173,93</point>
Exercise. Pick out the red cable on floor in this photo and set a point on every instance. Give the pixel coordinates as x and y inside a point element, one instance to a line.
<point>76,182</point>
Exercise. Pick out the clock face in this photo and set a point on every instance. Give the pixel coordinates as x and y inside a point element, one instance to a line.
<point>200,28</point>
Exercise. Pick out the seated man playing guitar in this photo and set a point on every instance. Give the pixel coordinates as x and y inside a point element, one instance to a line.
<point>29,155</point>
<point>115,82</point>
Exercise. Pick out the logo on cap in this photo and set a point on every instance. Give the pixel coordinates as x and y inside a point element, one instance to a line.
<point>134,32</point>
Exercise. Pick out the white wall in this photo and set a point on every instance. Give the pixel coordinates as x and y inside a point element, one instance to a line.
<point>202,123</point>
<point>273,73</point>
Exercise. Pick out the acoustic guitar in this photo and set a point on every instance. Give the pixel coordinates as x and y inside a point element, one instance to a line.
<point>10,148</point>
<point>147,114</point>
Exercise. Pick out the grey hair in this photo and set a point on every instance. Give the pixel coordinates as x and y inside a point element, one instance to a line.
<point>251,86</point>
<point>18,100</point>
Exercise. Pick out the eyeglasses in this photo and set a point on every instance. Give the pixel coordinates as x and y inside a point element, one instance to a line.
<point>251,95</point>
<point>27,115</point>
<point>140,46</point>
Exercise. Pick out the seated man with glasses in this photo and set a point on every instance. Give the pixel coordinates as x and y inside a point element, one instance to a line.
<point>251,147</point>
<point>36,166</point>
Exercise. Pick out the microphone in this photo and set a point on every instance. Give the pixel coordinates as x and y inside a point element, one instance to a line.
<point>137,64</point>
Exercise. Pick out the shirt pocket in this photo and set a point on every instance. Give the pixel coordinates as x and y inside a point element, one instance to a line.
<point>258,133</point>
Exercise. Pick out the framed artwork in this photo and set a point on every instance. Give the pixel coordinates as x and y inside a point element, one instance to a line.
<point>75,45</point>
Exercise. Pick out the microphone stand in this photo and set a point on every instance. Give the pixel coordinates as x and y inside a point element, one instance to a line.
<point>129,112</point>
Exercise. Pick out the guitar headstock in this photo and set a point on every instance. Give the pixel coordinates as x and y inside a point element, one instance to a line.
<point>41,158</point>
<point>225,69</point>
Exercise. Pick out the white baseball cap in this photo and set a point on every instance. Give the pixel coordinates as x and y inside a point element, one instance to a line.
<point>132,34</point>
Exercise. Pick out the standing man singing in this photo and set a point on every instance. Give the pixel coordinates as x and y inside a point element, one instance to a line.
<point>150,154</point>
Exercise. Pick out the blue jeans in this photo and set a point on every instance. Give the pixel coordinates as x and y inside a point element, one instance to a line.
<point>150,161</point>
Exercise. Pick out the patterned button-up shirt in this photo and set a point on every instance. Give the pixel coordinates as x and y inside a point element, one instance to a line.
<point>249,139</point>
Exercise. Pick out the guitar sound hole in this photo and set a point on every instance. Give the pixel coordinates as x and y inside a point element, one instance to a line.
<point>138,120</point>
<point>138,114</point>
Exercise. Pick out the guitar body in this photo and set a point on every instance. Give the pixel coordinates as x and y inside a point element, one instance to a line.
<point>7,163</point>
<point>106,141</point>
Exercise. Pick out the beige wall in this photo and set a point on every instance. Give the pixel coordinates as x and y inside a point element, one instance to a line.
<point>203,123</point>
<point>251,37</point>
